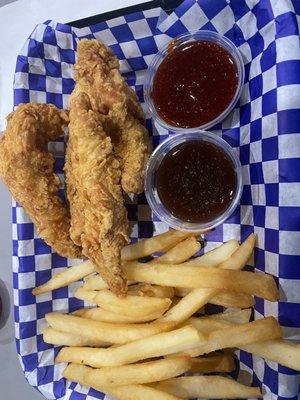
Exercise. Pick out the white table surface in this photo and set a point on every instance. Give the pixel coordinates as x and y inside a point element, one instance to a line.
<point>17,21</point>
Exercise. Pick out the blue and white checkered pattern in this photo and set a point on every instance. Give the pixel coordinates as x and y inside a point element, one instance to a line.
<point>263,128</point>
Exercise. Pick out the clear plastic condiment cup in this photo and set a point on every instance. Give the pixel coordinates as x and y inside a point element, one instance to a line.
<point>202,35</point>
<point>151,180</point>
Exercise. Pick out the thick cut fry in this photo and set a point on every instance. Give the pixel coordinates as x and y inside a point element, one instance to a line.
<point>214,322</point>
<point>241,256</point>
<point>99,314</point>
<point>138,392</point>
<point>188,305</point>
<point>233,299</point>
<point>207,387</point>
<point>215,363</point>
<point>58,338</point>
<point>146,247</point>
<point>234,317</point>
<point>181,292</point>
<point>95,282</point>
<point>215,256</point>
<point>87,295</point>
<point>281,351</point>
<point>70,275</point>
<point>238,336</point>
<point>145,289</point>
<point>130,305</point>
<point>179,253</point>
<point>258,284</point>
<point>224,298</point>
<point>134,374</point>
<point>102,331</point>
<point>176,341</point>
<point>83,375</point>
<point>209,324</point>
<point>197,298</point>
<point>138,290</point>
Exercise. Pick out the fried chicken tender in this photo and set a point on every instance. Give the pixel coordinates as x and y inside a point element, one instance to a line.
<point>98,72</point>
<point>99,219</point>
<point>27,169</point>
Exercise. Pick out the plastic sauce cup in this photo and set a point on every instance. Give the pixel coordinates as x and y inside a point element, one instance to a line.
<point>151,190</point>
<point>207,36</point>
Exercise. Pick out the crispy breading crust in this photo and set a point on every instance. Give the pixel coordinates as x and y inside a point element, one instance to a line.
<point>99,218</point>
<point>124,122</point>
<point>27,169</point>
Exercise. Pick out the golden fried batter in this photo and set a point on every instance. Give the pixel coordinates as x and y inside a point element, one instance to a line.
<point>27,169</point>
<point>98,72</point>
<point>99,219</point>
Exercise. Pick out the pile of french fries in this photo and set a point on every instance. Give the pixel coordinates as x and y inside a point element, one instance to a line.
<point>136,348</point>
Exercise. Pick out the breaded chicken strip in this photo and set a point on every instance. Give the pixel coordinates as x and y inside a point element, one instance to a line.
<point>27,169</point>
<point>98,72</point>
<point>99,218</point>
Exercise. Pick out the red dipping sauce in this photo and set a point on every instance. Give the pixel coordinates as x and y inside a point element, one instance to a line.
<point>194,84</point>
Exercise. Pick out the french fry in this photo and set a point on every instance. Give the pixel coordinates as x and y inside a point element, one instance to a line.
<point>215,256</point>
<point>197,298</point>
<point>134,374</point>
<point>83,375</point>
<point>188,305</point>
<point>208,387</point>
<point>131,306</point>
<point>228,299</point>
<point>135,306</point>
<point>97,331</point>
<point>224,298</point>
<point>181,252</point>
<point>96,282</point>
<point>214,322</point>
<point>145,289</point>
<point>206,325</point>
<point>138,392</point>
<point>157,243</point>
<point>234,317</point>
<point>241,256</point>
<point>87,295</point>
<point>214,363</point>
<point>58,338</point>
<point>258,284</point>
<point>181,291</point>
<point>239,336</point>
<point>70,275</point>
<point>280,351</point>
<point>211,323</point>
<point>175,341</point>
<point>99,314</point>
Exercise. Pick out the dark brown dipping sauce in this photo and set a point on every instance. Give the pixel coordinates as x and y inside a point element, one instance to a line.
<point>196,181</point>
<point>194,84</point>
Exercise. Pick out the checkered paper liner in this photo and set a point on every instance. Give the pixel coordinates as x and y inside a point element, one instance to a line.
<point>263,128</point>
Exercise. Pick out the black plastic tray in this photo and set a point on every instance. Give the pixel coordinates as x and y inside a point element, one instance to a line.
<point>167,5</point>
